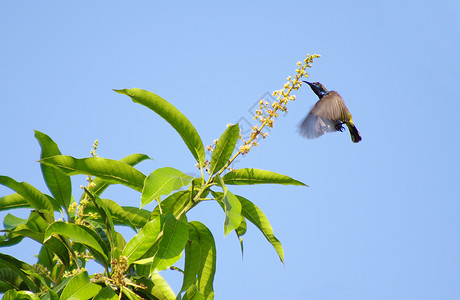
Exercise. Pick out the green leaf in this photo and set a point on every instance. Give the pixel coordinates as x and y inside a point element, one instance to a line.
<point>192,260</point>
<point>224,148</point>
<point>13,201</point>
<point>64,281</point>
<point>123,215</point>
<point>102,233</point>
<point>171,245</point>
<point>11,277</point>
<point>111,171</point>
<point>256,176</point>
<point>80,288</point>
<point>203,248</point>
<point>34,227</point>
<point>130,294</point>
<point>118,215</point>
<point>60,247</point>
<point>142,241</point>
<point>240,231</point>
<point>232,208</point>
<point>58,183</point>
<point>251,212</point>
<point>157,287</point>
<point>34,197</point>
<point>173,204</point>
<point>19,268</point>
<point>173,116</point>
<point>161,182</point>
<point>7,241</point>
<point>46,258</point>
<point>106,218</point>
<point>232,212</point>
<point>20,295</point>
<point>10,221</point>
<point>99,185</point>
<point>106,294</point>
<point>193,294</point>
<point>137,216</point>
<point>78,234</point>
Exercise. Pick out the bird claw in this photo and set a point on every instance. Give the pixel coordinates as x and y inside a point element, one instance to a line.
<point>339,127</point>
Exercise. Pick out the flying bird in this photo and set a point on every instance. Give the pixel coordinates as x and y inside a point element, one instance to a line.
<point>328,115</point>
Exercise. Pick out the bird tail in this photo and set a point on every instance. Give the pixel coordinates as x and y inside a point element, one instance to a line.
<point>354,133</point>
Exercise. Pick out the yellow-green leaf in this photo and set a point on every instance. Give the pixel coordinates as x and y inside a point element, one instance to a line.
<point>173,116</point>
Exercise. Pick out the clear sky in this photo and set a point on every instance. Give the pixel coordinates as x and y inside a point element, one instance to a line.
<point>380,219</point>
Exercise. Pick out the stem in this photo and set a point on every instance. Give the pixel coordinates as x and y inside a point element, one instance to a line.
<point>197,196</point>
<point>58,279</point>
<point>259,130</point>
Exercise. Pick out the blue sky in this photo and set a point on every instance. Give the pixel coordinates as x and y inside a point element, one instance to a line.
<point>380,219</point>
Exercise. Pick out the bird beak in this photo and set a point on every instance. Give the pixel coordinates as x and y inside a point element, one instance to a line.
<point>309,83</point>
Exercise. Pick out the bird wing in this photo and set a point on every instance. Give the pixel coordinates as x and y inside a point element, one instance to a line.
<point>332,107</point>
<point>314,126</point>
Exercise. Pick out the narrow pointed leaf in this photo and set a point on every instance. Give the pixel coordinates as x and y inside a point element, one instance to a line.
<point>9,276</point>
<point>252,213</point>
<point>105,216</point>
<point>192,266</point>
<point>257,176</point>
<point>58,183</point>
<point>58,288</point>
<point>173,116</point>
<point>232,208</point>
<point>34,227</point>
<point>193,294</point>
<point>34,197</point>
<point>7,241</point>
<point>171,245</point>
<point>78,234</point>
<point>111,171</point>
<point>157,286</point>
<point>60,247</point>
<point>137,216</point>
<point>11,221</point>
<point>174,203</point>
<point>120,215</point>
<point>133,217</point>
<point>106,293</point>
<point>232,213</point>
<point>13,201</point>
<point>240,231</point>
<point>205,248</point>
<point>142,241</point>
<point>130,294</point>
<point>46,258</point>
<point>21,295</point>
<point>101,234</point>
<point>20,268</point>
<point>99,185</point>
<point>80,288</point>
<point>161,182</point>
<point>224,148</point>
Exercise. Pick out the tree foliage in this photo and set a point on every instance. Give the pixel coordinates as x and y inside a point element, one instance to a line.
<point>88,228</point>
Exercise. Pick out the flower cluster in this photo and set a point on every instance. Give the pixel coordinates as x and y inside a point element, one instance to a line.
<point>267,112</point>
<point>84,255</point>
<point>80,208</point>
<point>119,268</point>
<point>93,151</point>
<point>73,272</point>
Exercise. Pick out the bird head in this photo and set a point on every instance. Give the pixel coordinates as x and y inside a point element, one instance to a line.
<point>318,88</point>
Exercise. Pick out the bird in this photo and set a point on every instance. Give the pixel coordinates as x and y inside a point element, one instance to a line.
<point>328,115</point>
